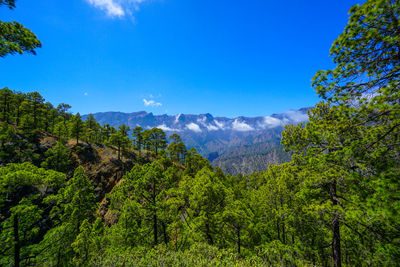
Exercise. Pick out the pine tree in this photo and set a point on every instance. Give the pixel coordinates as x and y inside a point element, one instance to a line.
<point>73,205</point>
<point>177,148</point>
<point>57,158</point>
<point>158,140</point>
<point>349,148</point>
<point>77,127</point>
<point>23,188</point>
<point>137,134</point>
<point>206,197</point>
<point>119,140</point>
<point>5,103</point>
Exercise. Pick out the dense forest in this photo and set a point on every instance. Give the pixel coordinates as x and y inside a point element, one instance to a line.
<point>75,192</point>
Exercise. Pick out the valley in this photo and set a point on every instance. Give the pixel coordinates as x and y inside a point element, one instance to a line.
<point>236,145</point>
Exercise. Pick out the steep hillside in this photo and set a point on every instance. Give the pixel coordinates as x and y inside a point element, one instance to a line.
<point>99,161</point>
<point>251,158</point>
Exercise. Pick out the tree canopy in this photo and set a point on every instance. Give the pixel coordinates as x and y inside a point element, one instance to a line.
<point>14,37</point>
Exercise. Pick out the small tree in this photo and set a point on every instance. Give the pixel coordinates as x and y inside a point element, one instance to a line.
<point>137,134</point>
<point>177,149</point>
<point>57,158</point>
<point>77,127</point>
<point>5,103</point>
<point>93,129</point>
<point>119,140</point>
<point>158,139</point>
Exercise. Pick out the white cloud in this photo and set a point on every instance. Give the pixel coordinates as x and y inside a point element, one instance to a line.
<point>85,93</point>
<point>111,7</point>
<point>168,129</point>
<point>290,117</point>
<point>211,127</point>
<point>116,8</point>
<point>151,103</point>
<point>193,127</point>
<point>202,120</point>
<point>296,116</point>
<point>219,124</point>
<point>177,118</point>
<point>270,122</point>
<point>241,126</point>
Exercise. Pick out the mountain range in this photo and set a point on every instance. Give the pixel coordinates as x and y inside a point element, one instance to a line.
<point>236,145</point>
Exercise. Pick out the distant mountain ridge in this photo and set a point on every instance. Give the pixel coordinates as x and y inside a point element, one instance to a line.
<point>237,145</point>
<point>202,122</point>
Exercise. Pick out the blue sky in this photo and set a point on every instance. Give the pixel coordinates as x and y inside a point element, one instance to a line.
<point>227,58</point>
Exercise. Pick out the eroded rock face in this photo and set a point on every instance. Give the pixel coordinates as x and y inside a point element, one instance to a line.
<point>101,165</point>
<point>105,171</point>
<point>106,214</point>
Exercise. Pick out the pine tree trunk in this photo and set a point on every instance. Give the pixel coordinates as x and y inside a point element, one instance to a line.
<point>34,116</point>
<point>5,108</point>
<point>283,225</point>
<point>208,234</point>
<point>238,240</point>
<point>16,242</point>
<point>59,257</point>
<point>278,229</point>
<point>18,116</point>
<point>155,229</point>
<point>336,253</point>
<point>165,233</point>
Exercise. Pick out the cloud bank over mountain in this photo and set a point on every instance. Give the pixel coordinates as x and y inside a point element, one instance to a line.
<point>203,122</point>
<point>237,145</point>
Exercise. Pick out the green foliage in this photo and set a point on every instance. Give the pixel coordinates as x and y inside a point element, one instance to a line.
<point>92,129</point>
<point>141,204</point>
<point>119,139</point>
<point>9,3</point>
<point>199,254</point>
<point>153,139</point>
<point>365,54</point>
<point>74,207</point>
<point>15,38</point>
<point>77,127</point>
<point>205,196</point>
<point>349,151</point>
<point>137,134</point>
<point>177,148</point>
<point>23,190</point>
<point>57,158</point>
<point>9,143</point>
<point>194,162</point>
<point>88,243</point>
<point>61,130</point>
